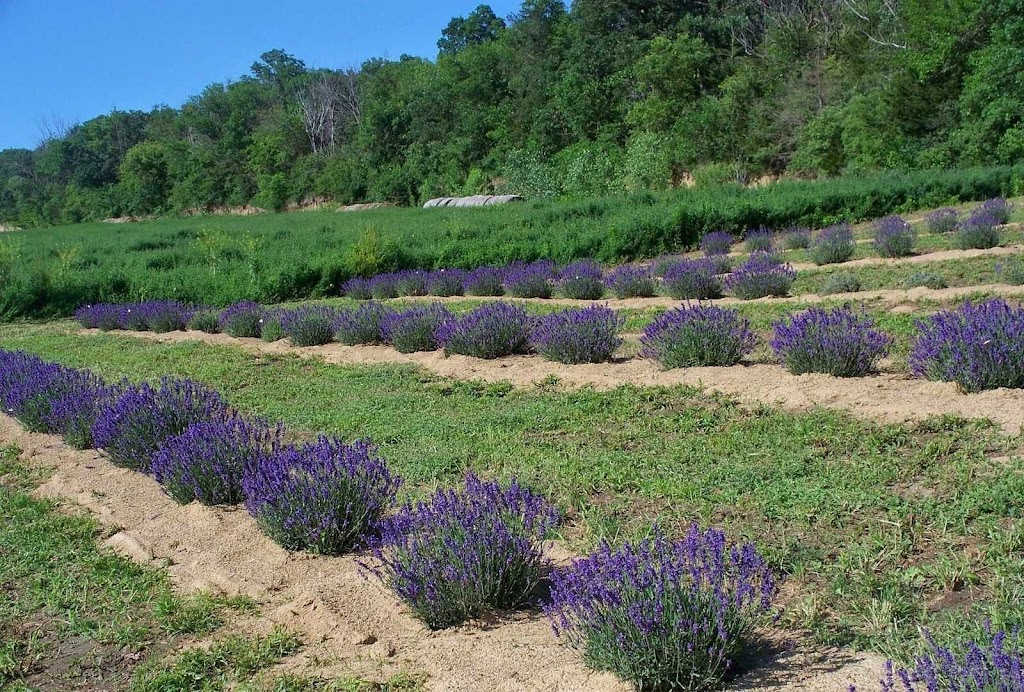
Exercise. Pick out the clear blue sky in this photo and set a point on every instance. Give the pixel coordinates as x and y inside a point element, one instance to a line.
<point>76,59</point>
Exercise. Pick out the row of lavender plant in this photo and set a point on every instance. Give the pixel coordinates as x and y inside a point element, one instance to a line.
<point>659,613</point>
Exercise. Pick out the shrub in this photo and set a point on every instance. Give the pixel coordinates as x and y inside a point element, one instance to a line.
<point>357,288</point>
<point>662,614</point>
<point>841,282</point>
<point>208,460</point>
<point>133,318</point>
<point>242,319</point>
<point>759,240</point>
<point>485,281</point>
<point>894,237</point>
<point>926,279</point>
<point>944,220</point>
<point>979,346</point>
<point>572,337</point>
<point>836,342</point>
<point>1012,271</point>
<point>833,245</point>
<point>163,316</point>
<point>698,335</point>
<point>309,325</point>
<point>270,326</point>
<point>73,414</point>
<point>995,664</point>
<point>134,426</point>
<point>721,263</point>
<point>692,280</point>
<point>761,276</point>
<point>29,386</point>
<point>412,282</point>
<point>416,329</point>
<point>631,281</point>
<point>796,238</point>
<point>531,280</point>
<point>489,331</point>
<point>102,316</point>
<point>998,208</point>
<point>362,325</point>
<point>979,231</point>
<point>581,280</point>
<point>446,282</point>
<point>384,286</point>
<point>204,320</point>
<point>717,243</point>
<point>323,496</point>
<point>463,554</point>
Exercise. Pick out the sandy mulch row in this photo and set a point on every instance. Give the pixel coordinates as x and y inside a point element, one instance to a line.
<point>885,397</point>
<point>923,258</point>
<point>351,624</point>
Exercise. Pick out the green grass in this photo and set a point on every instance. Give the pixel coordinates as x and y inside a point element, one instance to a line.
<point>972,271</point>
<point>295,683</point>
<point>881,529</point>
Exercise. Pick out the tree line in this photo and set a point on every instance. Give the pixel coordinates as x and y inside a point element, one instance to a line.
<point>600,97</point>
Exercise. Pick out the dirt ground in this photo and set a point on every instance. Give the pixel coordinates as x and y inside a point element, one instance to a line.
<point>352,625</point>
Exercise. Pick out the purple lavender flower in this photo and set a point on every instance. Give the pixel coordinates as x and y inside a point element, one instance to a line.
<point>103,316</point>
<point>208,460</point>
<point>73,414</point>
<point>995,663</point>
<point>796,238</point>
<point>837,342</point>
<point>463,554</point>
<point>143,417</point>
<point>242,319</point>
<point>572,337</point>
<point>445,283</point>
<point>133,318</point>
<point>531,280</point>
<point>979,346</point>
<point>490,331</point>
<point>717,243</point>
<point>414,330</point>
<point>357,288</point>
<point>698,335</point>
<point>412,282</point>
<point>833,245</point>
<point>323,497</point>
<point>485,281</point>
<point>309,325</point>
<point>631,281</point>
<point>894,237</point>
<point>362,325</point>
<point>998,208</point>
<point>692,279</point>
<point>762,275</point>
<point>979,231</point>
<point>385,286</point>
<point>165,315</point>
<point>664,614</point>
<point>759,240</point>
<point>942,220</point>
<point>581,280</point>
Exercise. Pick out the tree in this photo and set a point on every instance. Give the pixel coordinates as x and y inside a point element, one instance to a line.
<point>481,26</point>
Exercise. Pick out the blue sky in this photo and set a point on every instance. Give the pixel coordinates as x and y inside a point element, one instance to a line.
<point>75,60</point>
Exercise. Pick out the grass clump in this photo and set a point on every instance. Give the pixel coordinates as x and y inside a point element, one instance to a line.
<point>841,282</point>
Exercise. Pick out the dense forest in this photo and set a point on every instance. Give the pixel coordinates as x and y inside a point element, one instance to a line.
<point>599,97</point>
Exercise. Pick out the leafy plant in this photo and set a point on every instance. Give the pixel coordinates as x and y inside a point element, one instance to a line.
<point>242,319</point>
<point>833,245</point>
<point>926,279</point>
<point>944,220</point>
<point>894,237</point>
<point>759,240</point>
<point>717,243</point>
<point>841,282</point>
<point>699,335</point>
<point>204,320</point>
<point>309,325</point>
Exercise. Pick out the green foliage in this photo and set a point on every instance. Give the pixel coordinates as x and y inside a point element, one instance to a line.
<point>926,279</point>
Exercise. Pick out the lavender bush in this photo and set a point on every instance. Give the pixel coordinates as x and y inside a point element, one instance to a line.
<point>204,320</point>
<point>271,329</point>
<point>357,288</point>
<point>995,664</point>
<point>841,282</point>
<point>531,280</point>
<point>485,281</point>
<point>698,335</point>
<point>489,331</point>
<point>998,208</point>
<point>762,275</point>
<point>412,282</point>
<point>465,553</point>
<point>73,414</point>
<point>796,238</point>
<point>836,342</point>
<point>132,428</point>
<point>322,497</point>
<point>978,346</point>
<point>1011,271</point>
<point>100,316</point>
<point>572,337</point>
<point>894,237</point>
<point>630,281</point>
<point>717,243</point>
<point>163,316</point>
<point>979,231</point>
<point>926,279</point>
<point>415,329</point>
<point>833,245</point>
<point>133,318</point>
<point>362,325</point>
<point>208,460</point>
<point>759,240</point>
<point>692,279</point>
<point>663,614</point>
<point>581,280</point>
<point>721,263</point>
<point>944,220</point>
<point>309,325</point>
<point>446,282</point>
<point>384,286</point>
<point>242,319</point>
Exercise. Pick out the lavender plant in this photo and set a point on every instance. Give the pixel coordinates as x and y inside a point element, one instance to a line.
<point>208,460</point>
<point>72,414</point>
<point>698,335</point>
<point>362,325</point>
<point>631,281</point>
<point>841,282</point>
<point>692,279</point>
<point>978,346</point>
<point>998,208</point>
<point>796,238</point>
<point>241,319</point>
<point>132,428</point>
<point>995,664</point>
<point>309,325</point>
<point>445,283</point>
<point>581,280</point>
<point>29,385</point>
<point>412,282</point>
<point>663,614</point>
<point>533,280</point>
<point>271,329</point>
<point>833,245</point>
<point>837,342</point>
<point>133,318</point>
<point>717,243</point>
<point>102,316</point>
<point>759,240</point>
<point>944,220</point>
<point>894,237</point>
<point>485,281</point>
<point>762,275</point>
<point>163,316</point>
<point>324,496</point>
<point>572,337</point>
<point>357,288</point>
<point>979,231</point>
<point>926,279</point>
<point>384,286</point>
<point>1011,271</point>
<point>465,553</point>
<point>415,329</point>
<point>490,331</point>
<point>204,320</point>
